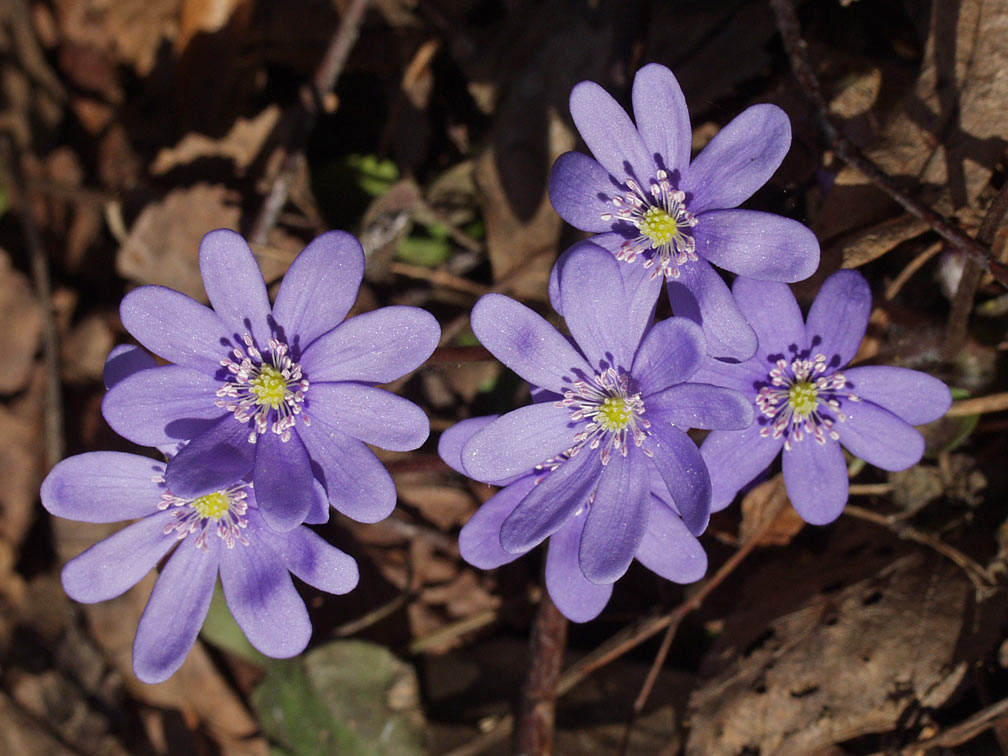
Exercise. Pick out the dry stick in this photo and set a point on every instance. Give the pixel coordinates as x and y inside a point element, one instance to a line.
<point>982,579</point>
<point>790,30</point>
<point>303,120</point>
<point>969,282</point>
<point>677,616</point>
<point>537,714</point>
<point>53,402</point>
<point>964,731</point>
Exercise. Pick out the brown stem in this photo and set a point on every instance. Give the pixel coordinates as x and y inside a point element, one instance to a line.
<point>962,304</point>
<point>790,30</point>
<point>302,120</point>
<point>535,722</point>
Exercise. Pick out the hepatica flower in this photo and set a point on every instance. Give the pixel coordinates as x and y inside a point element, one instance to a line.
<point>218,532</point>
<point>612,414</point>
<point>809,404</point>
<point>283,395</point>
<point>668,218</point>
<point>667,547</point>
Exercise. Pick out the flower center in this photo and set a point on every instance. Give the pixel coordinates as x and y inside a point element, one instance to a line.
<point>614,414</point>
<point>803,398</point>
<point>269,391</point>
<point>658,226</point>
<point>212,506</point>
<point>660,217</point>
<point>221,513</point>
<point>799,399</point>
<point>611,411</point>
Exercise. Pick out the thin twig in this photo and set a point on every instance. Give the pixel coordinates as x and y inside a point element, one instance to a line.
<point>537,714</point>
<point>303,119</point>
<point>652,677</point>
<point>964,731</point>
<point>982,579</point>
<point>790,30</point>
<point>53,403</point>
<point>969,281</point>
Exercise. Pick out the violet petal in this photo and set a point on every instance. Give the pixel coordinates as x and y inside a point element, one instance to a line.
<point>684,472</point>
<point>479,539</point>
<point>213,460</point>
<point>758,245</point>
<point>113,566</point>
<point>175,611</point>
<point>319,288</point>
<point>551,503</point>
<point>103,487</point>
<point>838,318</point>
<point>735,458</point>
<point>123,361</point>
<point>577,598</point>
<point>581,190</point>
<point>162,405</point>
<point>911,395</point>
<point>356,481</point>
<point>739,159</point>
<point>610,134</point>
<point>701,405</point>
<point>452,440</point>
<point>617,517</point>
<point>668,548</point>
<point>262,599</point>
<point>671,352</point>
<point>283,481</point>
<point>375,347</point>
<point>595,307</point>
<point>308,556</point>
<point>815,476</point>
<point>176,327</point>
<point>662,117</point>
<point>879,437</point>
<point>234,285</point>
<point>371,414</point>
<point>516,442</point>
<point>702,296</point>
<point>526,343</point>
<point>773,313</point>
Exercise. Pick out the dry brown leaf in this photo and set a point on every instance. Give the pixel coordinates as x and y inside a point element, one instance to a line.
<point>949,133</point>
<point>21,315</point>
<point>83,350</point>
<point>21,452</point>
<point>241,144</point>
<point>163,244</point>
<point>869,244</point>
<point>444,506</point>
<point>21,735</point>
<point>802,663</point>
<point>769,499</point>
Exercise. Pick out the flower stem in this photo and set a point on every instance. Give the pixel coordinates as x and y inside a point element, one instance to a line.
<point>534,732</point>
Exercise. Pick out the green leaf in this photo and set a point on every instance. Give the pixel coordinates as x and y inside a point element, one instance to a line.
<point>418,250</point>
<point>374,175</point>
<point>347,697</point>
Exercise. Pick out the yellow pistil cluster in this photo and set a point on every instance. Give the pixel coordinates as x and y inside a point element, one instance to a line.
<point>803,398</point>
<point>658,226</point>
<point>269,387</point>
<point>212,506</point>
<point>614,414</point>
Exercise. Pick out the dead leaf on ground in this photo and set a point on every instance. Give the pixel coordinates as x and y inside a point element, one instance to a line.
<point>948,134</point>
<point>21,315</point>
<point>829,646</point>
<point>769,499</point>
<point>163,244</point>
<point>241,144</point>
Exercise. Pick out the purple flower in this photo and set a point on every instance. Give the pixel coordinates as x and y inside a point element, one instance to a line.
<point>286,393</point>
<point>808,405</point>
<point>221,531</point>
<point>666,548</point>
<point>670,218</point>
<point>610,415</point>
